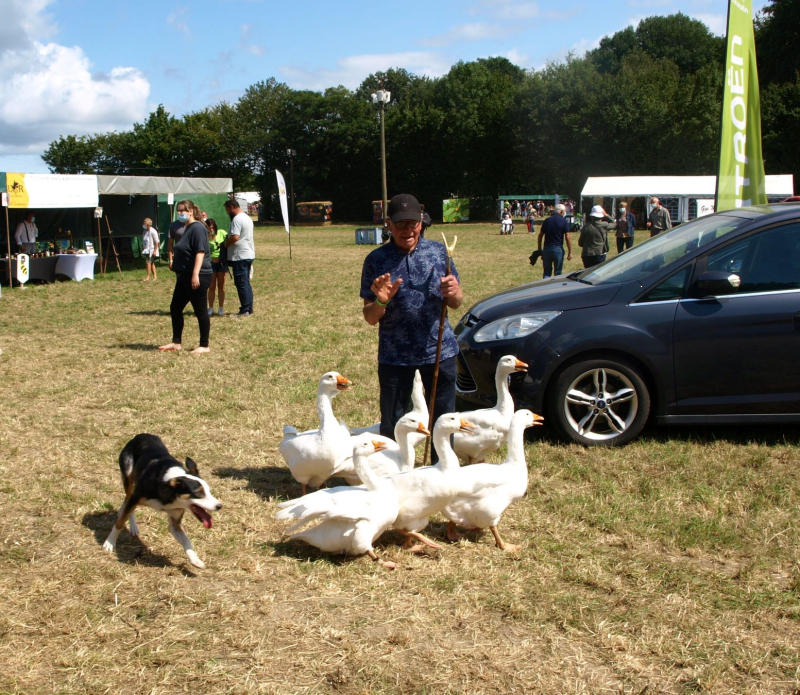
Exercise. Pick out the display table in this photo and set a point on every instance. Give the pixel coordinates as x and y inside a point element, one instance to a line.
<point>77,266</point>
<point>43,269</point>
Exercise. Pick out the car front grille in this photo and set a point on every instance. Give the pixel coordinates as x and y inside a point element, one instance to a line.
<point>464,381</point>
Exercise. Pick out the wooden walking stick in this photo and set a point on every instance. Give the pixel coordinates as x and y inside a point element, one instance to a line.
<point>448,266</point>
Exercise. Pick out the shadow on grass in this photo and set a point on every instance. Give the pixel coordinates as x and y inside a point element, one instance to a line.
<point>129,550</point>
<point>143,347</point>
<point>270,482</point>
<point>766,435</point>
<point>300,550</point>
<point>153,312</point>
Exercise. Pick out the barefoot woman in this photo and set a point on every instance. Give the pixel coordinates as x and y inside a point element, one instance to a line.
<point>192,266</point>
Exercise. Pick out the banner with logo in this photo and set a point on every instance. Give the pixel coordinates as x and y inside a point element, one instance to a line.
<point>741,179</point>
<point>23,268</point>
<point>284,202</point>
<point>51,190</point>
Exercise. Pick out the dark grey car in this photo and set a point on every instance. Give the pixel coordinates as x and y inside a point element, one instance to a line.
<point>700,324</point>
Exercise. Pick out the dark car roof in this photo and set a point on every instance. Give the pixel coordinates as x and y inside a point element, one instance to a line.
<point>753,212</point>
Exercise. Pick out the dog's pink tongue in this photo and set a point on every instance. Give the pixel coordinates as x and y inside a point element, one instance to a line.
<point>202,514</point>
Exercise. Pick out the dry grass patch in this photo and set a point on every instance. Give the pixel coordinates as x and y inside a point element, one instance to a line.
<point>668,566</point>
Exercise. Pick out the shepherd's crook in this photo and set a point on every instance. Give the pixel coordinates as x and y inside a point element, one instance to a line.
<point>448,266</point>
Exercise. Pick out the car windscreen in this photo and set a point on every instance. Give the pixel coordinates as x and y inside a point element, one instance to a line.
<point>661,250</point>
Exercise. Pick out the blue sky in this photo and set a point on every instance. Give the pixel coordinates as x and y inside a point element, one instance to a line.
<point>85,66</point>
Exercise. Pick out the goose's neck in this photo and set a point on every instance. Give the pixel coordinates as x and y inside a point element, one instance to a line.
<point>504,401</point>
<point>516,443</point>
<point>325,410</point>
<point>448,461</point>
<point>365,472</point>
<point>408,454</point>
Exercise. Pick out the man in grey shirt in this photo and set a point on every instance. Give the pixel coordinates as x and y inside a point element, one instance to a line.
<point>659,220</point>
<point>241,253</point>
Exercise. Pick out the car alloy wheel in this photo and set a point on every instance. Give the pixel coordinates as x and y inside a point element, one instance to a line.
<point>600,402</point>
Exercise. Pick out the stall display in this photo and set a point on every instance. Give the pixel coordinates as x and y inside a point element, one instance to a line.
<point>46,267</point>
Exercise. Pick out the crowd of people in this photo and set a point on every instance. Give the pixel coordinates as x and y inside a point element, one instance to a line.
<point>531,210</point>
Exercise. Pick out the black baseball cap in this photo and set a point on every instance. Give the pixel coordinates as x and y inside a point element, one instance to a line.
<point>404,207</point>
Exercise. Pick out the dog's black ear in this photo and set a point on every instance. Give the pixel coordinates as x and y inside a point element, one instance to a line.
<point>191,466</point>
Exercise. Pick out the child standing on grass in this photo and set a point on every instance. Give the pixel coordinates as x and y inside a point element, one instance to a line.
<point>150,244</point>
<point>216,239</point>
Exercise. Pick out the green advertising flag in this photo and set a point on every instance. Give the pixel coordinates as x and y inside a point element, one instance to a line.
<point>741,178</point>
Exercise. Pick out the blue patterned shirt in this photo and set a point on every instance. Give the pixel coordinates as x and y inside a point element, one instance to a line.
<point>409,328</point>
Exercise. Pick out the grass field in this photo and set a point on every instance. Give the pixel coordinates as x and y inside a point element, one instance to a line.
<point>668,566</point>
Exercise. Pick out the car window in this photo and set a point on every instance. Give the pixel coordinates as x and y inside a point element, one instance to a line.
<point>768,261</point>
<point>671,288</point>
<point>656,253</point>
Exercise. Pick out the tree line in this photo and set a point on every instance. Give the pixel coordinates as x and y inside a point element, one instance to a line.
<point>646,101</point>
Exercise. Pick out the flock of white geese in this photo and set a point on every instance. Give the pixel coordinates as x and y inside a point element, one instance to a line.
<point>385,490</point>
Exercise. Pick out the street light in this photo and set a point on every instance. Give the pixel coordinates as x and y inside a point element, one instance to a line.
<point>381,98</point>
<point>291,154</point>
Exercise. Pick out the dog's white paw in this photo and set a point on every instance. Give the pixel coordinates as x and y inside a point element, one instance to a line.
<point>108,546</point>
<point>196,561</point>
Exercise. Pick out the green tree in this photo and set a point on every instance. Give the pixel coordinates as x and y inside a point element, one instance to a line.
<point>778,42</point>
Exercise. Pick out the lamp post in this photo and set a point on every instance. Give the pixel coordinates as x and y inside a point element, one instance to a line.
<point>291,154</point>
<point>381,98</point>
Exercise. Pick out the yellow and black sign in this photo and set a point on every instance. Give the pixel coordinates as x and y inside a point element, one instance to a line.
<point>17,191</point>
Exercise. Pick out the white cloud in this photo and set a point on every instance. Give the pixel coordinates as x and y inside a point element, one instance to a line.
<point>177,20</point>
<point>352,70</point>
<point>650,4</point>
<point>508,9</point>
<point>717,23</point>
<point>252,49</point>
<point>518,58</point>
<point>48,90</point>
<point>477,31</point>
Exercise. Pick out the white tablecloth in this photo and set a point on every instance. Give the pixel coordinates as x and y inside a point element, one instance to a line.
<point>78,266</point>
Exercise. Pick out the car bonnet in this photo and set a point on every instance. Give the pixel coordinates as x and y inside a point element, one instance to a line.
<point>555,294</point>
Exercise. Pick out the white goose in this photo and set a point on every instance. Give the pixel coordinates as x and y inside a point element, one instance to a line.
<point>419,409</point>
<point>491,423</point>
<point>486,490</point>
<point>350,518</point>
<point>394,457</point>
<point>425,491</point>
<point>312,456</point>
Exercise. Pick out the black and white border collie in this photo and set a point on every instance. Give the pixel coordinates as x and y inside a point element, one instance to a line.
<point>153,478</point>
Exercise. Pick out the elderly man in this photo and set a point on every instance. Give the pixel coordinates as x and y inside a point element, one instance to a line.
<point>554,232</point>
<point>241,253</point>
<point>403,285</point>
<point>26,233</point>
<point>659,220</point>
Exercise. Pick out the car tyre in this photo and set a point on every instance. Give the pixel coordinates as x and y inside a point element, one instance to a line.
<point>599,402</point>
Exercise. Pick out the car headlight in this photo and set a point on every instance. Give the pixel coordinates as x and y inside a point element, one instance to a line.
<point>513,326</point>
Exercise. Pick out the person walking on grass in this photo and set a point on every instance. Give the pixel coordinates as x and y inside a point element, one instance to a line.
<point>241,253</point>
<point>659,219</point>
<point>626,226</point>
<point>594,237</point>
<point>191,261</point>
<point>554,232</point>
<point>219,266</point>
<point>150,244</point>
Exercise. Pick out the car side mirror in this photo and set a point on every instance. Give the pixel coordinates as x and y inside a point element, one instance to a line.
<point>717,282</point>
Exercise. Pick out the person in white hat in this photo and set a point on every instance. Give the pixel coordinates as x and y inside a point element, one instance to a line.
<point>594,236</point>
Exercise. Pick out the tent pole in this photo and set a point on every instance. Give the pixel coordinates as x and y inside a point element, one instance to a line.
<point>100,248</point>
<point>8,245</point>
